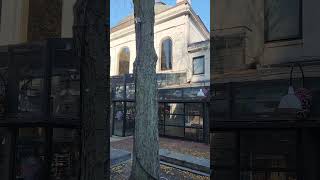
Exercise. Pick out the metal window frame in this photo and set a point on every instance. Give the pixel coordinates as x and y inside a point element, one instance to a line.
<point>203,64</point>
<point>288,38</point>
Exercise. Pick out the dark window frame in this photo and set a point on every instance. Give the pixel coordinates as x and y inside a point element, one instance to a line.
<point>196,58</point>
<point>288,38</point>
<point>171,54</point>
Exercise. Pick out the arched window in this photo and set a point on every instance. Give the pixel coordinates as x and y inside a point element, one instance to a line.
<point>124,61</point>
<point>166,54</point>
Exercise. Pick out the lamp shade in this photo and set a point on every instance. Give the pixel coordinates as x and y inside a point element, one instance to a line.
<point>290,101</point>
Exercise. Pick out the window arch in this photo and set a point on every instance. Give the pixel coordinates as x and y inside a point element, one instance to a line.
<point>166,54</point>
<point>124,61</point>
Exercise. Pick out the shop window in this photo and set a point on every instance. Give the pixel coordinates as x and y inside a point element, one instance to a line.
<point>174,131</point>
<point>275,158</point>
<point>31,154</point>
<point>175,108</point>
<point>65,154</point>
<point>194,134</point>
<point>130,113</point>
<point>118,119</point>
<point>198,65</point>
<point>124,61</point>
<point>166,54</point>
<point>282,19</point>
<point>175,120</point>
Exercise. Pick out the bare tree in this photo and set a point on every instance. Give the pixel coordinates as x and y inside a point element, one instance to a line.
<point>90,39</point>
<point>146,138</point>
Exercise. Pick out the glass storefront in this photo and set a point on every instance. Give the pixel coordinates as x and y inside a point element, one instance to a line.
<point>66,154</point>
<point>184,120</point>
<point>30,153</point>
<point>274,159</point>
<point>39,153</point>
<point>182,111</point>
<point>255,155</point>
<point>5,153</point>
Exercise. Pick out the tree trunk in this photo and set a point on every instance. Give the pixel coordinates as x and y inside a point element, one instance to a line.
<point>146,138</point>
<point>90,41</point>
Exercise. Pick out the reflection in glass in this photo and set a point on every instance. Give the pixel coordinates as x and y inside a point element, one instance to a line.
<point>198,65</point>
<point>130,119</point>
<point>30,154</point>
<point>118,119</point>
<point>66,154</point>
<point>174,131</point>
<point>282,19</point>
<point>166,54</point>
<point>194,134</point>
<point>5,144</point>
<point>124,61</point>
<point>281,157</point>
<point>66,93</point>
<point>29,94</point>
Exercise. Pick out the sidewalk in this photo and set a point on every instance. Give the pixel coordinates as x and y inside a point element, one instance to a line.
<point>179,159</point>
<point>196,149</point>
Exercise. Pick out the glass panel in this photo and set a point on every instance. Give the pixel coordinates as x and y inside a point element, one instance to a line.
<point>65,85</point>
<point>175,120</point>
<point>30,154</point>
<point>124,61</point>
<point>161,113</point>
<point>161,130</point>
<point>283,19</point>
<point>190,93</point>
<point>228,174</point>
<point>175,108</point>
<point>118,119</point>
<point>198,65</point>
<point>278,149</point>
<point>166,54</point>
<point>261,175</point>
<point>30,75</point>
<point>5,152</point>
<point>118,92</point>
<point>194,134</point>
<point>3,89</point>
<point>195,109</point>
<point>66,154</point>
<point>130,119</point>
<point>194,121</point>
<point>170,94</point>
<point>130,88</point>
<point>174,131</point>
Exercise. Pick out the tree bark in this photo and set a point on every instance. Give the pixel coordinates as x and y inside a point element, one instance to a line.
<point>90,40</point>
<point>146,138</point>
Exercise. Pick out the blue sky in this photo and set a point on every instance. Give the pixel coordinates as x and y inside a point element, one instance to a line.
<point>122,8</point>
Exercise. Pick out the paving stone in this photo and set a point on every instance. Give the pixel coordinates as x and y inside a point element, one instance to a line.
<point>118,155</point>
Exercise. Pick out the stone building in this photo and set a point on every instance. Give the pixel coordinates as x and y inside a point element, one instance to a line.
<point>182,46</point>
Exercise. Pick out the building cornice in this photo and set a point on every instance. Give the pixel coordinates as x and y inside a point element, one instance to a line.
<point>127,27</point>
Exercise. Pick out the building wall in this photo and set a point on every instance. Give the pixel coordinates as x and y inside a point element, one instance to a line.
<point>181,29</point>
<point>250,13</point>
<point>14,21</point>
<point>67,18</point>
